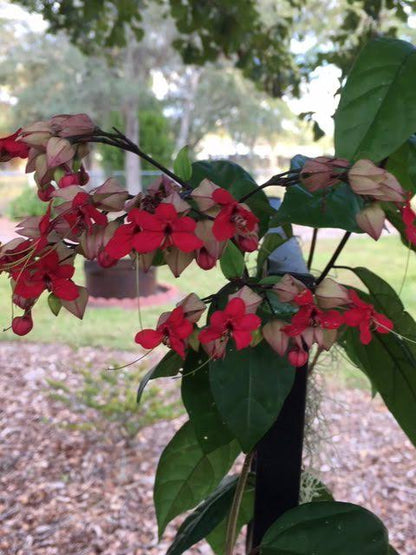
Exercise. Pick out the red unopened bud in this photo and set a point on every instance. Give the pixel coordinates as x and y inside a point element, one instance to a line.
<point>46,194</point>
<point>297,357</point>
<point>105,260</point>
<point>22,325</point>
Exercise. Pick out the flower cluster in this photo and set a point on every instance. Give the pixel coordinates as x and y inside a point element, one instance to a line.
<point>181,224</point>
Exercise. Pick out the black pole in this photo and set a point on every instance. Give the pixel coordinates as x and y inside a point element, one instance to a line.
<point>278,461</point>
<point>278,458</point>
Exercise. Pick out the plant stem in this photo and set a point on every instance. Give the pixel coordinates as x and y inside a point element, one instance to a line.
<point>284,179</point>
<point>334,257</point>
<point>312,249</point>
<point>235,507</point>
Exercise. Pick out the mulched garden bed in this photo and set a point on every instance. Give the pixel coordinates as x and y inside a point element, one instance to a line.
<point>71,483</point>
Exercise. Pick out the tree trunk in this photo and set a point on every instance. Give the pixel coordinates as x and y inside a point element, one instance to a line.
<point>188,108</point>
<point>132,163</point>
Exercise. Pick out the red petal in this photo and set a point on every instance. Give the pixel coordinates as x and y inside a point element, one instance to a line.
<point>354,317</point>
<point>121,242</point>
<point>331,319</point>
<point>383,324</point>
<point>235,308</point>
<point>209,334</point>
<point>149,339</point>
<point>242,339</point>
<point>148,221</point>
<point>222,196</point>
<point>248,322</point>
<point>365,333</point>
<point>65,289</point>
<point>223,228</point>
<point>166,211</point>
<point>147,241</point>
<point>186,242</point>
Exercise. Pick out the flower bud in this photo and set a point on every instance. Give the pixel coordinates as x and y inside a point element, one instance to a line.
<point>321,172</point>
<point>250,298</point>
<point>330,294</point>
<point>275,337</point>
<point>367,179</point>
<point>22,325</point>
<point>371,220</point>
<point>297,357</point>
<point>79,124</point>
<point>58,151</point>
<point>193,307</point>
<point>288,288</point>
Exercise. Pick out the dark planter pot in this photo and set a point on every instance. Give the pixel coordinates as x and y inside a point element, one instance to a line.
<point>118,281</point>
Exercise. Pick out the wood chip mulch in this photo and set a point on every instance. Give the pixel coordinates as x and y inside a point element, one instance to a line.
<point>70,484</point>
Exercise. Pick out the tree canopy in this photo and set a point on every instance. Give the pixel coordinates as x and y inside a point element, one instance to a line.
<point>257,35</point>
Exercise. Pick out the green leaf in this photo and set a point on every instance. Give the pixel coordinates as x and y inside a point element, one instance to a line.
<point>232,177</point>
<point>336,207</point>
<point>186,475</point>
<point>324,529</point>
<point>389,361</point>
<point>205,518</point>
<point>270,243</point>
<point>217,538</point>
<point>377,109</point>
<point>182,164</point>
<point>54,304</point>
<point>170,365</point>
<point>250,387</point>
<point>206,421</point>
<point>232,261</point>
<point>402,164</point>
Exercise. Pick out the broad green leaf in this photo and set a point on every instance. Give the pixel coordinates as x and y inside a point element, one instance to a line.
<point>232,177</point>
<point>336,207</point>
<point>232,261</point>
<point>206,421</point>
<point>186,475</point>
<point>325,529</point>
<point>250,387</point>
<point>389,361</point>
<point>377,109</point>
<point>270,243</point>
<point>205,518</point>
<point>217,537</point>
<point>54,304</point>
<point>170,365</point>
<point>182,165</point>
<point>402,164</point>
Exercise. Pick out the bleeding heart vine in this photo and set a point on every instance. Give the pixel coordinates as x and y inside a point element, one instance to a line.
<point>258,328</point>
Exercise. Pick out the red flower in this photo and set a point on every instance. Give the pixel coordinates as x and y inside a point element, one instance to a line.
<point>83,213</point>
<point>147,232</point>
<point>172,330</point>
<point>10,148</point>
<point>409,217</point>
<point>363,316</point>
<point>235,220</point>
<point>310,321</point>
<point>46,273</point>
<point>232,322</point>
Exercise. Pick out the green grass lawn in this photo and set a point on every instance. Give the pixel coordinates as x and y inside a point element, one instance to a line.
<point>115,328</point>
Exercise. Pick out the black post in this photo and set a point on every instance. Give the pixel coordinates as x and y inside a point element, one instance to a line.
<point>278,461</point>
<point>278,458</point>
